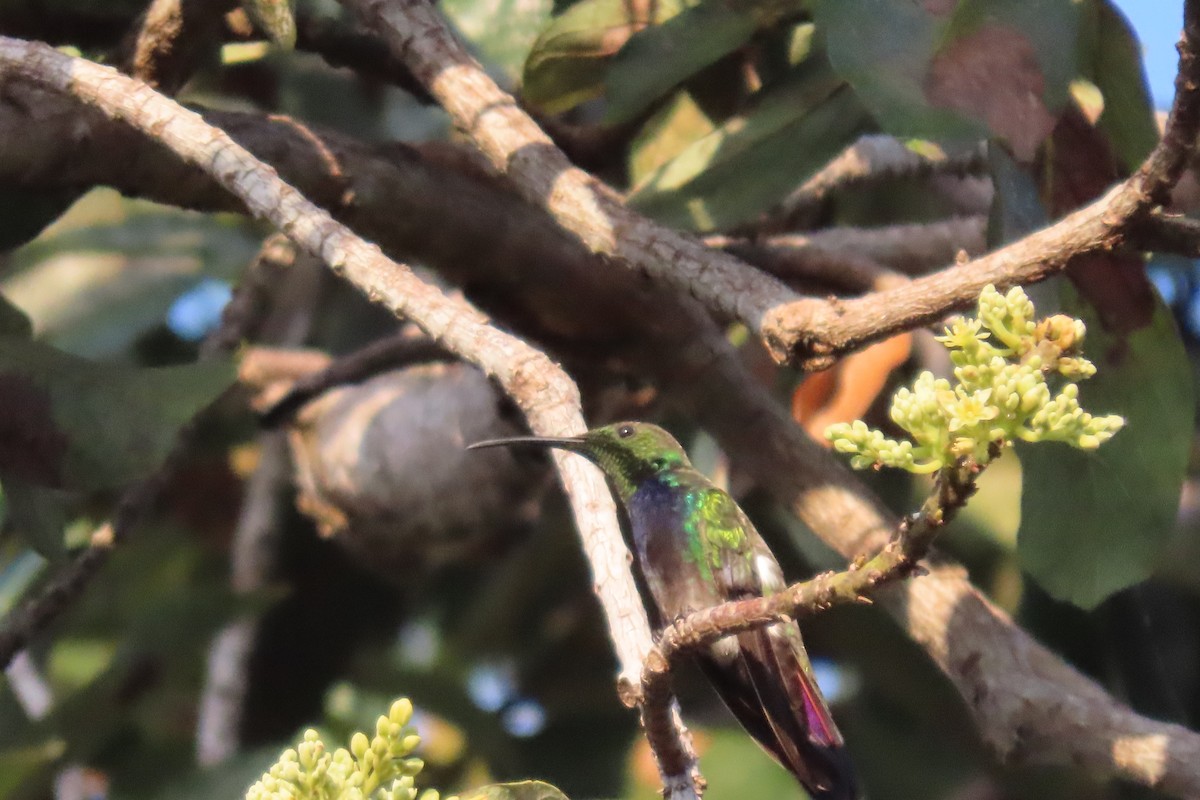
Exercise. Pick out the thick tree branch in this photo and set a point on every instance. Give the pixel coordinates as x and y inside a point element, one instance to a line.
<point>342,46</point>
<point>546,395</point>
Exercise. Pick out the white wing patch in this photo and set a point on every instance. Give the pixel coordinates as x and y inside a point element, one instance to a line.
<point>770,576</point>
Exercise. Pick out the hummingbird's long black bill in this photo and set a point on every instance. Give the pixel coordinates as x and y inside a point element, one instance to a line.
<point>565,443</point>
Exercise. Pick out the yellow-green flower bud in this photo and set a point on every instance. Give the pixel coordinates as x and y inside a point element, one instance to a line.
<point>1000,393</point>
<point>401,711</point>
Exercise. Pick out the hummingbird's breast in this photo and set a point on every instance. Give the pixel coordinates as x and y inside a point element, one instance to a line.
<point>668,556</point>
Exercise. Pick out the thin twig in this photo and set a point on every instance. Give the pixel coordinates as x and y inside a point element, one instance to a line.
<point>913,248</point>
<point>391,352</point>
<point>874,157</point>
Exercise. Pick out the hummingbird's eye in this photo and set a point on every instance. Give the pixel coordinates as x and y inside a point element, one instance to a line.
<point>625,431</point>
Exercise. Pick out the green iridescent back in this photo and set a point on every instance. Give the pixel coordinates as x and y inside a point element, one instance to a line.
<point>718,537</point>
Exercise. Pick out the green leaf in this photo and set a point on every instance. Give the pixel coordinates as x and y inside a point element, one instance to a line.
<point>754,159</point>
<point>74,424</point>
<point>1049,27</point>
<point>525,790</point>
<point>111,268</point>
<point>13,321</point>
<point>1112,59</point>
<point>38,516</point>
<point>19,764</point>
<point>951,73</point>
<point>502,31</point>
<point>665,135</point>
<point>1096,522</point>
<point>17,576</point>
<point>659,58</point>
<point>568,61</point>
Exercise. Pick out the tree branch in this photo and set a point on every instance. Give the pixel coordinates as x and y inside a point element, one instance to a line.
<point>546,395</point>
<point>390,352</point>
<point>813,268</point>
<point>1163,233</point>
<point>874,157</point>
<point>342,46</point>
<point>806,331</point>
<point>170,39</point>
<point>825,330</point>
<point>281,292</point>
<point>913,249</point>
<point>519,149</point>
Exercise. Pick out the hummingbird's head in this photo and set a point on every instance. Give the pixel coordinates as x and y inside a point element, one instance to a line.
<point>628,452</point>
<point>633,449</point>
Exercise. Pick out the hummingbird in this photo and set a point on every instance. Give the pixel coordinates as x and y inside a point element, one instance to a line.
<point>697,549</point>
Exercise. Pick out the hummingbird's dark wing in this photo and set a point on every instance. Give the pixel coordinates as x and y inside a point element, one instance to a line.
<point>764,675</point>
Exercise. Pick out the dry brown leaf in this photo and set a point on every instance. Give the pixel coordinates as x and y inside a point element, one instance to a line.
<point>846,391</point>
<point>993,74</point>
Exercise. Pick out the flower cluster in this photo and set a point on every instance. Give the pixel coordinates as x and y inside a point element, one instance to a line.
<point>1002,362</point>
<point>379,768</point>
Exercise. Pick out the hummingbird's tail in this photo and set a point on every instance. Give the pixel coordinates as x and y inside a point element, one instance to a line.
<point>771,691</point>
